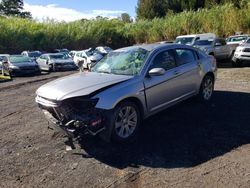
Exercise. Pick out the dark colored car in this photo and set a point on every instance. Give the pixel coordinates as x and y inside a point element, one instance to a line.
<point>22,65</point>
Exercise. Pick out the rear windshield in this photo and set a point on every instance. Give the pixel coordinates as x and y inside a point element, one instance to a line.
<point>59,56</point>
<point>34,54</point>
<point>203,42</point>
<point>237,39</point>
<point>184,40</point>
<point>19,59</point>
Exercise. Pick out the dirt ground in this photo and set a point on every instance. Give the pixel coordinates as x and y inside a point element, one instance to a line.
<point>189,145</point>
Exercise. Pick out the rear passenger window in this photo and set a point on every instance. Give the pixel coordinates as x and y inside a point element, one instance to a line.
<point>164,60</point>
<point>184,56</point>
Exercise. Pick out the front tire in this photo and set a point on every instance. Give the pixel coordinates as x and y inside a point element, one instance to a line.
<point>125,122</point>
<point>207,88</point>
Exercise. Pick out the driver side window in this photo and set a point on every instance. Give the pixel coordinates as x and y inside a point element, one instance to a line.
<point>164,60</point>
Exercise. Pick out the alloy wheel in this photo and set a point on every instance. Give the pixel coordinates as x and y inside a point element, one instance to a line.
<point>126,121</point>
<point>207,88</point>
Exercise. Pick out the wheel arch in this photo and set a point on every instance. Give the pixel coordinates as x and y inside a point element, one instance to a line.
<point>210,74</point>
<point>135,101</point>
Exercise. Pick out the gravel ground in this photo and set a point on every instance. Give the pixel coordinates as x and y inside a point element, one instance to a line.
<point>189,145</point>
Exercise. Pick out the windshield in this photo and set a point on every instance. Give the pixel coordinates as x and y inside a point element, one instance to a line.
<point>57,56</point>
<point>203,42</point>
<point>3,58</point>
<point>19,59</point>
<point>107,48</point>
<point>34,54</point>
<point>184,40</point>
<point>248,41</point>
<point>92,52</point>
<point>122,62</point>
<point>237,39</point>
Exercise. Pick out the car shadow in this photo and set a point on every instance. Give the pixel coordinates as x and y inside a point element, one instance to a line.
<point>185,135</point>
<point>226,64</point>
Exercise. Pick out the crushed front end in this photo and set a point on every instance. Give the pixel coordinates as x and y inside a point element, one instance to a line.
<point>76,116</point>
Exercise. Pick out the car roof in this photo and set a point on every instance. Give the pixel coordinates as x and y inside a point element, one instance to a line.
<point>246,35</point>
<point>17,55</point>
<point>152,47</point>
<point>197,35</point>
<point>53,54</point>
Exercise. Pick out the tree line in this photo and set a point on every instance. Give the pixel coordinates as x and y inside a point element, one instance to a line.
<point>149,9</point>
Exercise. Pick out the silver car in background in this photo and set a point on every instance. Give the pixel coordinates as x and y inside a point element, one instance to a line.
<point>216,47</point>
<point>56,62</point>
<point>125,87</point>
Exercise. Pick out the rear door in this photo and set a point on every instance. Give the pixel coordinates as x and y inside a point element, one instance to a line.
<point>188,68</point>
<point>226,49</point>
<point>218,49</point>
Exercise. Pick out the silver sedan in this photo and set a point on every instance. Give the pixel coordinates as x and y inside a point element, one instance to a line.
<point>125,87</point>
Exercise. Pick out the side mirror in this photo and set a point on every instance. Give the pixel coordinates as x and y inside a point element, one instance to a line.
<point>156,72</point>
<point>218,44</point>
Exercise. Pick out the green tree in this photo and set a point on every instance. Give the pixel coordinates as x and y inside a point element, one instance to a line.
<point>13,8</point>
<point>125,17</point>
<point>149,9</point>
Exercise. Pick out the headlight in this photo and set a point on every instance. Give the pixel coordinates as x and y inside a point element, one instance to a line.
<point>239,49</point>
<point>13,67</point>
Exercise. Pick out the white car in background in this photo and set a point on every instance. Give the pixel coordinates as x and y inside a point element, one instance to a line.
<point>87,58</point>
<point>191,39</point>
<point>73,53</point>
<point>104,49</point>
<point>236,40</point>
<point>242,54</point>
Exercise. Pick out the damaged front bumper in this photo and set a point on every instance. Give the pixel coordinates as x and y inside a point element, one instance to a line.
<point>76,117</point>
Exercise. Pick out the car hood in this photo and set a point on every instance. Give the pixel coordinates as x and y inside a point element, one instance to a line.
<point>25,64</point>
<point>80,84</point>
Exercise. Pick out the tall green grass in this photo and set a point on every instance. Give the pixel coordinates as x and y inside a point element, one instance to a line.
<point>18,34</point>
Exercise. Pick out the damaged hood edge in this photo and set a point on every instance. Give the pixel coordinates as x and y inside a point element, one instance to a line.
<point>80,84</point>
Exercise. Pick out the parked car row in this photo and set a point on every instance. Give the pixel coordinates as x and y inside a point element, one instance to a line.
<point>33,62</point>
<point>234,48</point>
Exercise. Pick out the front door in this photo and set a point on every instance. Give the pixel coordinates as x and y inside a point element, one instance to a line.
<point>162,90</point>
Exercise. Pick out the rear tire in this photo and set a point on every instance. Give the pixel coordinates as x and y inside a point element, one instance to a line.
<point>125,121</point>
<point>206,89</point>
